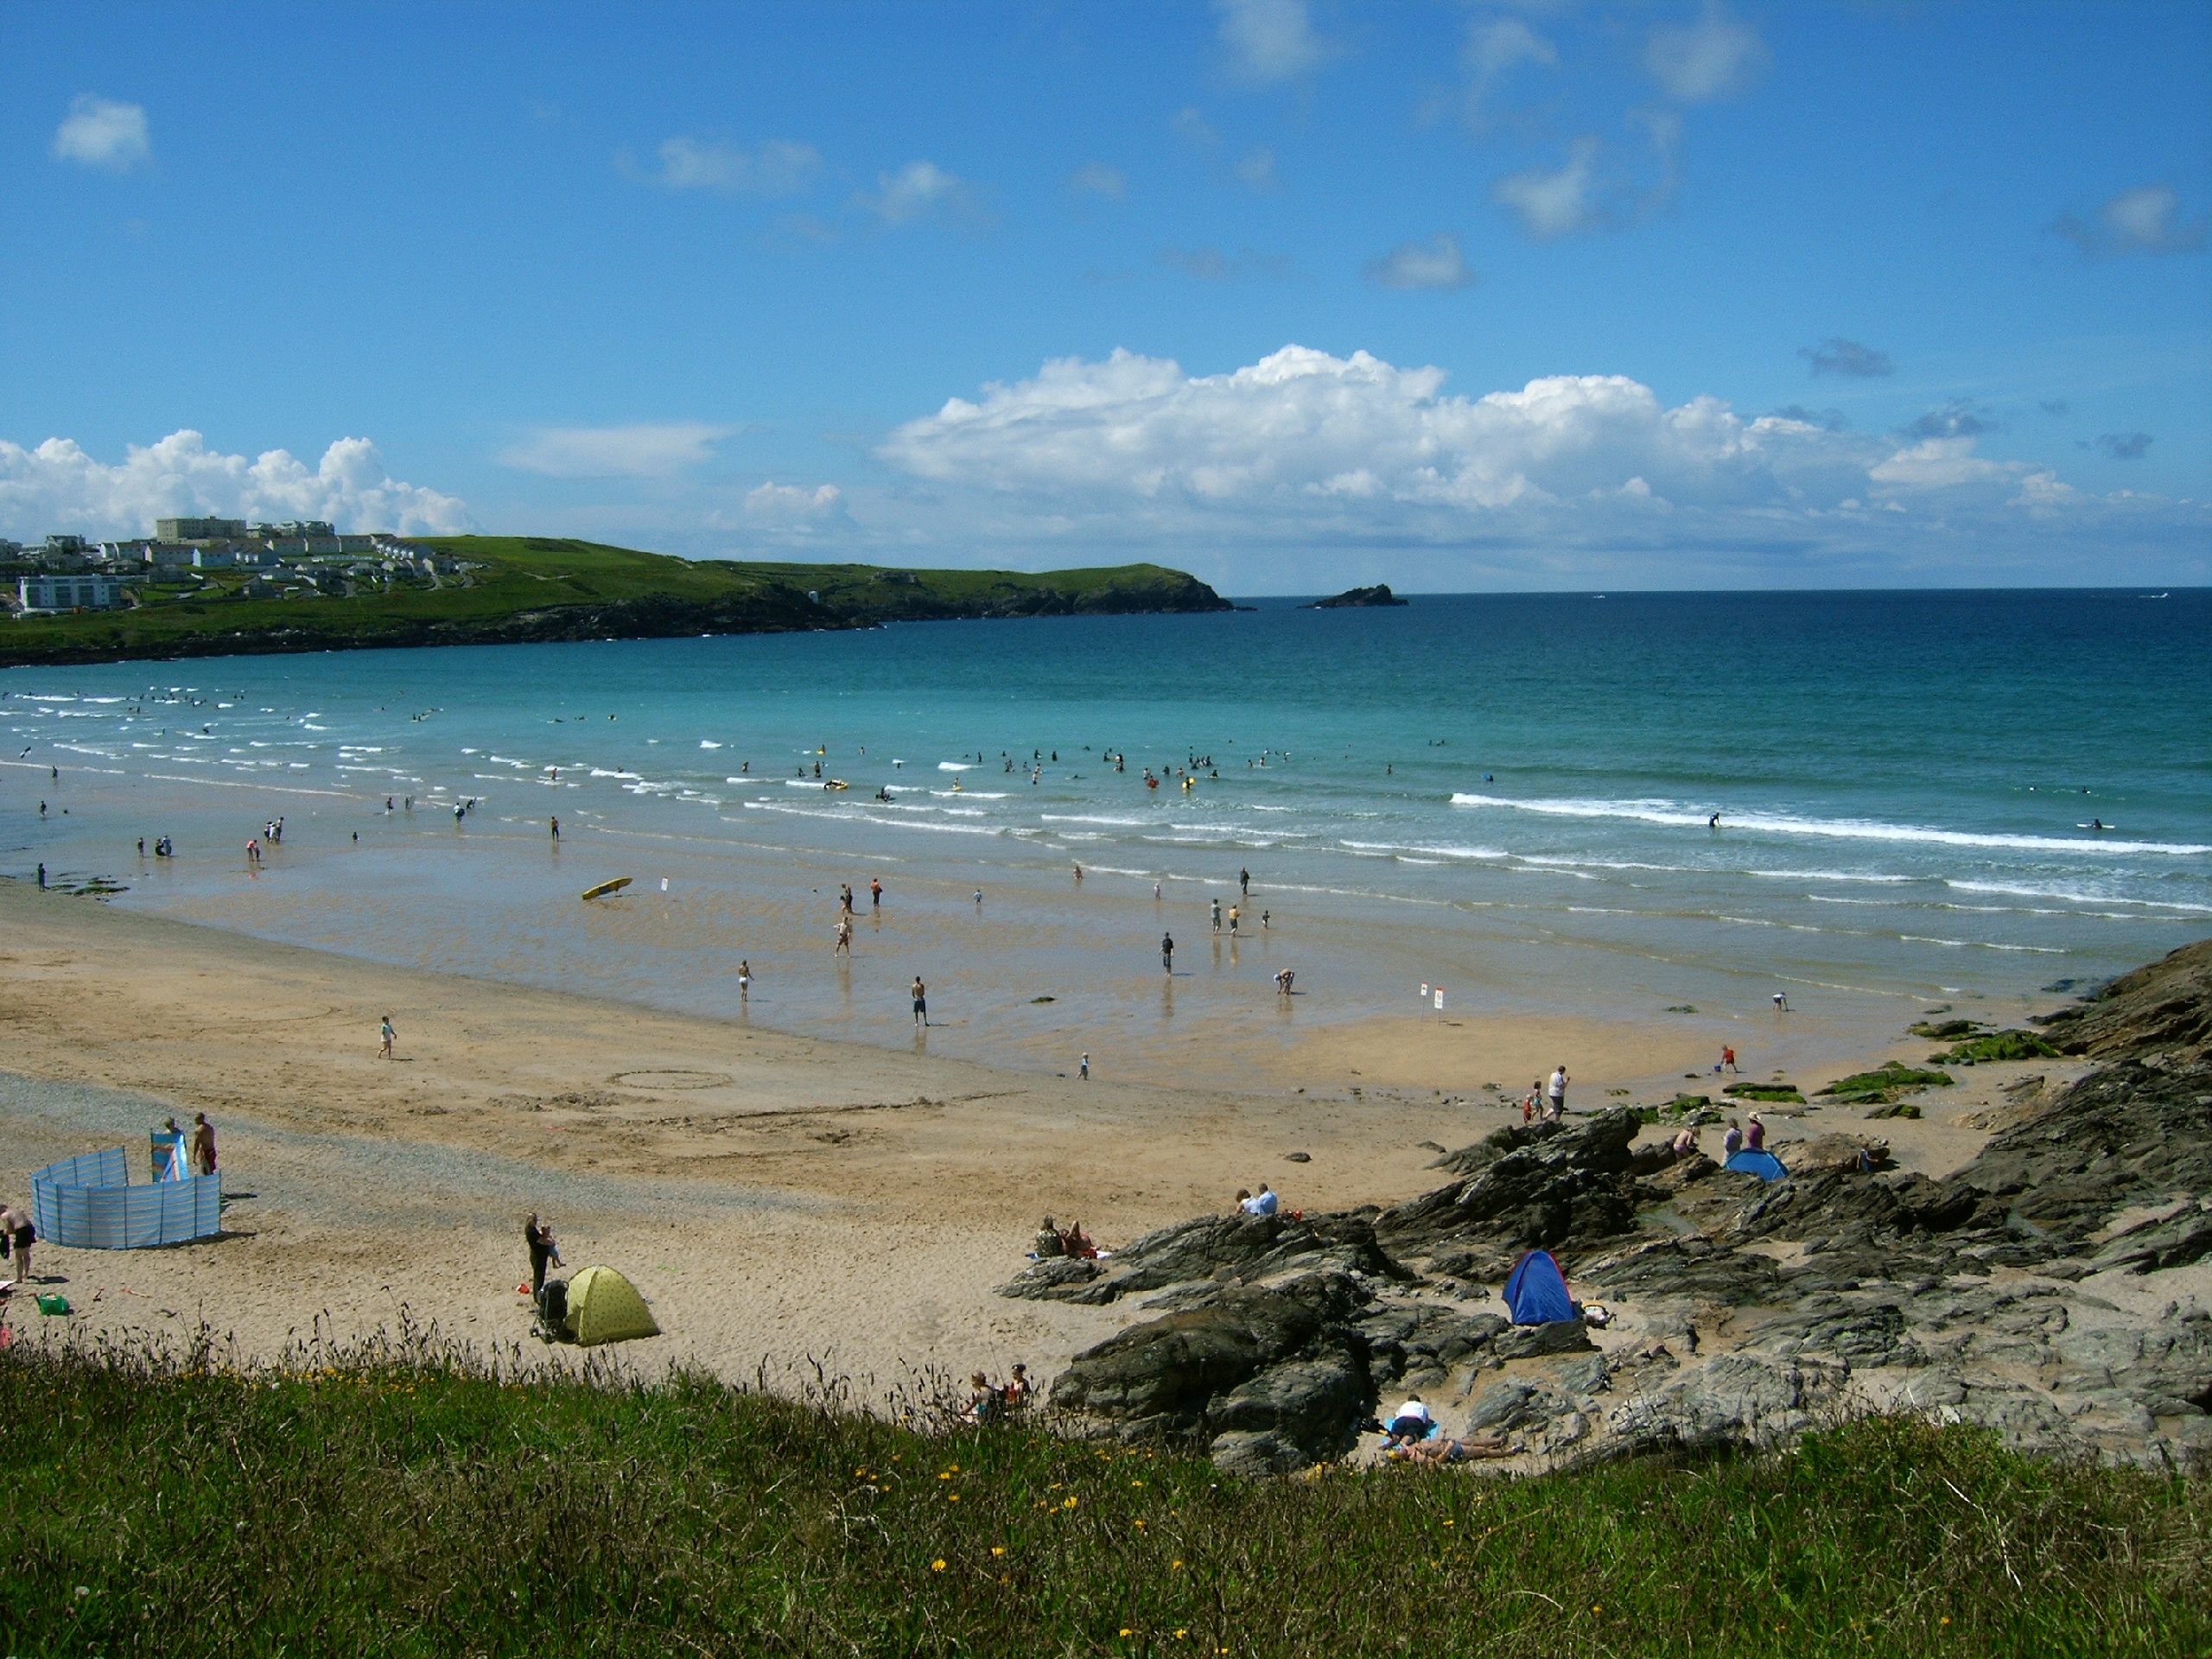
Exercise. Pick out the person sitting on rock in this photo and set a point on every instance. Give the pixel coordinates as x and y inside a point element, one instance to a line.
<point>1732,1143</point>
<point>1049,1242</point>
<point>1263,1203</point>
<point>1685,1141</point>
<point>1411,1425</point>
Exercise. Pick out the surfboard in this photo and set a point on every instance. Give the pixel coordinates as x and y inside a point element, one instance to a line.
<point>836,783</point>
<point>606,888</point>
<point>2106,825</point>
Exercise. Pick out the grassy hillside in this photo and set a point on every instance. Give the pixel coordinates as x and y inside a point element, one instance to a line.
<point>408,1504</point>
<point>534,587</point>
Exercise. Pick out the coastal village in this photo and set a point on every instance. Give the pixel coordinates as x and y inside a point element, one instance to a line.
<point>209,558</point>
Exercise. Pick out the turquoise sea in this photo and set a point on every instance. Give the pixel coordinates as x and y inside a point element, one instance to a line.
<point>1514,791</point>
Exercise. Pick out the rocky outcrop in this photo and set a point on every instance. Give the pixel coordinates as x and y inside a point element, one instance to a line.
<point>1358,599</point>
<point>2045,1291</point>
<point>2165,1009</point>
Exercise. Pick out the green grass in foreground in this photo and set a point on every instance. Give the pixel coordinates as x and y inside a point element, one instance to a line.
<point>398,1502</point>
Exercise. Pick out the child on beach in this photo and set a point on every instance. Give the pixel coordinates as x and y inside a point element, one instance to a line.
<point>390,1037</point>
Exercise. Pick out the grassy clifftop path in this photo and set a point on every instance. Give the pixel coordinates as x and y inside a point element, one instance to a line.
<point>516,588</point>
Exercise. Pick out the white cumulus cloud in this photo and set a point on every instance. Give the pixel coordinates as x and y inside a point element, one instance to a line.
<point>916,191</point>
<point>1553,204</point>
<point>775,166</point>
<point>101,132</point>
<point>1495,47</point>
<point>1715,57</point>
<point>784,504</point>
<point>57,485</point>
<point>1304,454</point>
<point>1268,41</point>
<point>1437,262</point>
<point>651,449</point>
<point>2146,219</point>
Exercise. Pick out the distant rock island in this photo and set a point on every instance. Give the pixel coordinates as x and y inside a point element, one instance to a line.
<point>1357,599</point>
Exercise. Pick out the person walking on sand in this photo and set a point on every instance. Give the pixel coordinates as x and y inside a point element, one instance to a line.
<point>845,898</point>
<point>388,1036</point>
<point>1245,883</point>
<point>1232,921</point>
<point>203,1145</point>
<point>1555,1091</point>
<point>1727,1058</point>
<point>1167,952</point>
<point>844,945</point>
<point>921,1001</point>
<point>556,829</point>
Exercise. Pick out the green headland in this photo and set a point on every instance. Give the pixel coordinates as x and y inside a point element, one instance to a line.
<point>509,589</point>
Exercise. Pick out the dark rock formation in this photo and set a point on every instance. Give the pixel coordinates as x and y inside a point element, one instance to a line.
<point>2165,1008</point>
<point>1358,599</point>
<point>1758,1309</point>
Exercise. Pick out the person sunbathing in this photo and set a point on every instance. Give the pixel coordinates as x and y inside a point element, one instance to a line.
<point>1076,1242</point>
<point>1448,1451</point>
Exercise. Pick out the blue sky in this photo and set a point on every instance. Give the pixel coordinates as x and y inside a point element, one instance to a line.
<point>1450,294</point>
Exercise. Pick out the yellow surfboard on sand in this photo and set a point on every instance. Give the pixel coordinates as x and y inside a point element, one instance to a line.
<point>606,888</point>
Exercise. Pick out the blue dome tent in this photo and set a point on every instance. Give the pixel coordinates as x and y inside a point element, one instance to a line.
<point>1536,1293</point>
<point>1764,1165</point>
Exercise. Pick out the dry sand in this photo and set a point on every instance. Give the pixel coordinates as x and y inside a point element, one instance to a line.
<point>781,1200</point>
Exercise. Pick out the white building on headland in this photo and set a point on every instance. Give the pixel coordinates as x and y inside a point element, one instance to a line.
<point>35,595</point>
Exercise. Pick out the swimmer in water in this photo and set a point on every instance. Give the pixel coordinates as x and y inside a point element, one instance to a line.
<point>1713,823</point>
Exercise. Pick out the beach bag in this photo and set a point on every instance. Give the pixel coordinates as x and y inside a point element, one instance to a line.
<point>53,1302</point>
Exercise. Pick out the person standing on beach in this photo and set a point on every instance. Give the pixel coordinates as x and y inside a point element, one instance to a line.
<point>42,878</point>
<point>1167,952</point>
<point>744,980</point>
<point>1232,921</point>
<point>1217,915</point>
<point>556,829</point>
<point>1084,1070</point>
<point>1555,1091</point>
<point>921,1001</point>
<point>874,894</point>
<point>1727,1058</point>
<point>203,1145</point>
<point>388,1036</point>
<point>544,1248</point>
<point>16,1230</point>
<point>1245,883</point>
<point>844,945</point>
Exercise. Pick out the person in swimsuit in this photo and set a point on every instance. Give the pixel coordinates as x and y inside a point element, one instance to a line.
<point>744,981</point>
<point>921,1001</point>
<point>203,1145</point>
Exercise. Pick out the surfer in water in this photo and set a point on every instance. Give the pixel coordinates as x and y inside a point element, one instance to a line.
<point>1713,823</point>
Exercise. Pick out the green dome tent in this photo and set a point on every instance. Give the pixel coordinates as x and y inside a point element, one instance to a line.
<point>604,1306</point>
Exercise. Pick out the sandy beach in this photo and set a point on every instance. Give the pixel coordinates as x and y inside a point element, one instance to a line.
<point>782,1200</point>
